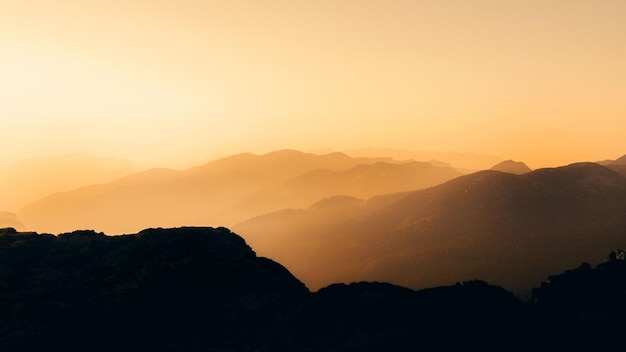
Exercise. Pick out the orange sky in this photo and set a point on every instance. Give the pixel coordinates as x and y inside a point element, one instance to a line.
<point>174,83</point>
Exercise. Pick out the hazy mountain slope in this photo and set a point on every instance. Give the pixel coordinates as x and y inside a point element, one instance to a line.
<point>365,181</point>
<point>512,167</point>
<point>205,195</point>
<point>511,230</point>
<point>618,165</point>
<point>620,161</point>
<point>362,181</point>
<point>469,161</point>
<point>26,181</point>
<point>8,219</point>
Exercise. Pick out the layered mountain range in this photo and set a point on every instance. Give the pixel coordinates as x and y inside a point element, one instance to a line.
<point>511,230</point>
<point>335,218</point>
<point>226,191</point>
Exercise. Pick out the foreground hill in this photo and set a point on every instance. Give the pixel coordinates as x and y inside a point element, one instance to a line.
<point>222,192</point>
<point>511,230</point>
<point>160,289</point>
<point>204,289</point>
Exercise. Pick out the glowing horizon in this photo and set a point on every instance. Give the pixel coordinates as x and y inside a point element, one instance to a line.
<point>175,83</point>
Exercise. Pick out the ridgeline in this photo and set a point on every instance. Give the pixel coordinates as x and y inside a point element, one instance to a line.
<point>204,289</point>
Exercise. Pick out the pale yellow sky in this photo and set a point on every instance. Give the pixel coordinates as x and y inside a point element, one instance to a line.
<point>177,82</point>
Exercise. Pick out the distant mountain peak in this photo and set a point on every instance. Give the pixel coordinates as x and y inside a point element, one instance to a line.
<point>620,161</point>
<point>512,167</point>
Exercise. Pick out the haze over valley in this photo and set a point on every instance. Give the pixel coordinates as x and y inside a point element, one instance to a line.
<point>333,218</point>
<point>226,191</point>
<point>208,175</point>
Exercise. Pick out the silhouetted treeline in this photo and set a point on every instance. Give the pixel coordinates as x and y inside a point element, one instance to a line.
<point>204,289</point>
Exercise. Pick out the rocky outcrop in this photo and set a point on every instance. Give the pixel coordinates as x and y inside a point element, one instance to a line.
<point>204,289</point>
<point>163,289</point>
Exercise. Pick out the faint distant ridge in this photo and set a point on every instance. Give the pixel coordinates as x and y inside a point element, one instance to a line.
<point>27,180</point>
<point>8,219</point>
<point>620,161</point>
<point>618,165</point>
<point>226,191</point>
<point>467,162</point>
<point>367,180</point>
<point>512,167</point>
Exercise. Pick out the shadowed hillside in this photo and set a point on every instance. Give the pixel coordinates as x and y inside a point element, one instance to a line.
<point>618,165</point>
<point>224,191</point>
<point>511,230</point>
<point>204,289</point>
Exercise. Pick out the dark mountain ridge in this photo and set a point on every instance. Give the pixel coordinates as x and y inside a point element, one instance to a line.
<point>191,289</point>
<point>159,289</point>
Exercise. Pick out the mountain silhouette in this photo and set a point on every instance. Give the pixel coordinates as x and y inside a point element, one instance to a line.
<point>512,167</point>
<point>204,289</point>
<point>619,161</point>
<point>223,192</point>
<point>361,181</point>
<point>467,162</point>
<point>364,181</point>
<point>618,165</point>
<point>511,230</point>
<point>161,289</point>
<point>588,302</point>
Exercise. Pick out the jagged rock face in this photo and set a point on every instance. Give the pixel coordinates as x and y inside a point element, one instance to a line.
<point>198,284</point>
